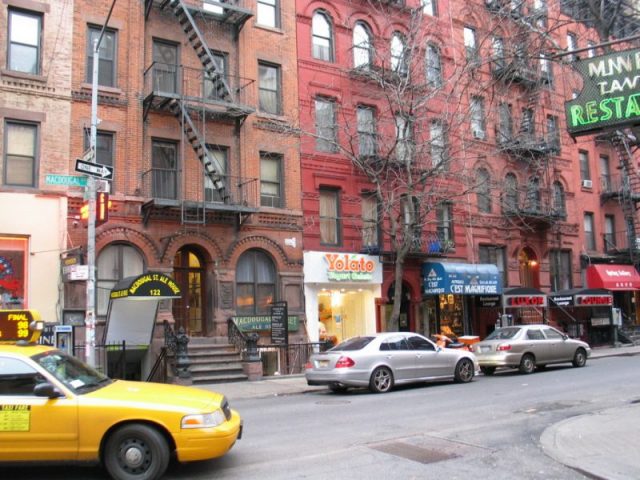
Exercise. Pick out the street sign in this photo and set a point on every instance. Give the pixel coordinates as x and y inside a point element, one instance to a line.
<point>105,172</point>
<point>66,180</point>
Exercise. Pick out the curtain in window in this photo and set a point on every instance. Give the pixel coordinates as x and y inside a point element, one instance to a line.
<point>328,217</point>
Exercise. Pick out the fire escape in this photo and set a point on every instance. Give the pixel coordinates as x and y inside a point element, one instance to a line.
<point>624,189</point>
<point>539,204</point>
<point>199,98</point>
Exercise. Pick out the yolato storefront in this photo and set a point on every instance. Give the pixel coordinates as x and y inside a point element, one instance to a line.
<point>340,291</point>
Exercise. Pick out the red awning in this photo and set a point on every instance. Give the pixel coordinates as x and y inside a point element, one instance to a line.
<point>613,277</point>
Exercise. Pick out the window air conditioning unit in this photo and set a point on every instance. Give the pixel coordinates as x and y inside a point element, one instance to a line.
<point>587,184</point>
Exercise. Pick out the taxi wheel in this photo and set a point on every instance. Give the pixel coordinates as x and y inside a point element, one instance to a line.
<point>136,452</point>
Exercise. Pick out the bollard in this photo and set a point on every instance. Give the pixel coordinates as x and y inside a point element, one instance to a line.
<point>182,354</point>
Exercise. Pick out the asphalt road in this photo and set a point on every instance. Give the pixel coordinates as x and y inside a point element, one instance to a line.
<point>489,428</point>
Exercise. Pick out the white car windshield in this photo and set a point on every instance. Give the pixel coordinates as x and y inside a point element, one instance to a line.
<point>74,374</point>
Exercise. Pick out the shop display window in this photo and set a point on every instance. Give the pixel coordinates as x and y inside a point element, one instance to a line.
<point>13,273</point>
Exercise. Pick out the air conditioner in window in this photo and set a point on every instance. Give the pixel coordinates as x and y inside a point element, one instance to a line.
<point>478,134</point>
<point>587,184</point>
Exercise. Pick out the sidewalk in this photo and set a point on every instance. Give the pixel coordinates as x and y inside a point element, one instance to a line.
<point>602,446</point>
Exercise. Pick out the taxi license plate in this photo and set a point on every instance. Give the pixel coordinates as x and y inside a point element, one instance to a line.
<point>323,363</point>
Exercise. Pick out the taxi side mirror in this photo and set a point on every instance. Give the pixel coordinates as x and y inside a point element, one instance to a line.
<point>46,390</point>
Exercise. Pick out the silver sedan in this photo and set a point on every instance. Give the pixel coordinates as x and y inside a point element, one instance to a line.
<point>386,359</point>
<point>526,347</point>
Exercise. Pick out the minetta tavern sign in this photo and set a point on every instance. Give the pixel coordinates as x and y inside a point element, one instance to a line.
<point>610,95</point>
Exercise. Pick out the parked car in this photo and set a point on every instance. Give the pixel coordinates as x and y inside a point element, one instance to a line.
<point>386,359</point>
<point>56,408</point>
<point>526,347</point>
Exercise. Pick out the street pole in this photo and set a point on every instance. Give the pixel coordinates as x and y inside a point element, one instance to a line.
<point>90,315</point>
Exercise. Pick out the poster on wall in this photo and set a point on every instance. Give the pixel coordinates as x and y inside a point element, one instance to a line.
<point>13,273</point>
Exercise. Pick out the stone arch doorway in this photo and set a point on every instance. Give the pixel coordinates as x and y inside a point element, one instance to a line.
<point>189,311</point>
<point>529,268</point>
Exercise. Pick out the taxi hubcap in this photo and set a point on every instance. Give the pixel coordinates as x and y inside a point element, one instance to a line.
<point>133,456</point>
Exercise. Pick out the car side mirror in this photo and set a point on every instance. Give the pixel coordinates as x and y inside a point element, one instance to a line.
<point>46,389</point>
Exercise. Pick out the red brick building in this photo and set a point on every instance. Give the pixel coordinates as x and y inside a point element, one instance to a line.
<point>538,207</point>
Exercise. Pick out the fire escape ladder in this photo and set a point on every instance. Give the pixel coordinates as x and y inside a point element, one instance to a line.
<point>214,72</point>
<point>630,191</point>
<point>212,168</point>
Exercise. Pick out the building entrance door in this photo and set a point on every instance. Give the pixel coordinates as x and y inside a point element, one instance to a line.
<point>189,310</point>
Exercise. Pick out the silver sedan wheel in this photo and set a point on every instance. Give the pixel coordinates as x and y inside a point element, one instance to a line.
<point>381,380</point>
<point>464,371</point>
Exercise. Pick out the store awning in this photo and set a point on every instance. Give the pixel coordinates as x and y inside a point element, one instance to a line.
<point>521,297</point>
<point>581,297</point>
<point>461,279</point>
<point>613,277</point>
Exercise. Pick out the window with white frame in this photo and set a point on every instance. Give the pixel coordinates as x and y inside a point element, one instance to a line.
<point>560,270</point>
<point>322,37</point>
<point>106,56</point>
<point>585,169</point>
<point>484,190</point>
<point>477,118</point>
<point>559,200</point>
<point>505,123</point>
<point>369,221</point>
<point>330,216</point>
<point>430,7</point>
<point>403,138</point>
<point>495,255</point>
<point>499,59</point>
<point>439,154</point>
<point>362,46</point>
<point>434,66</point>
<point>220,155</point>
<point>470,45</point>
<point>326,128</point>
<point>366,131</point>
<point>268,13</point>
<point>589,231</point>
<point>20,153</point>
<point>270,180</point>
<point>399,55</point>
<point>609,233</point>
<point>572,44</point>
<point>269,88</point>
<point>24,46</point>
<point>511,195</point>
<point>444,215</point>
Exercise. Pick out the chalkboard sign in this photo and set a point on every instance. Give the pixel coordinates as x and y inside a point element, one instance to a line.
<point>279,324</point>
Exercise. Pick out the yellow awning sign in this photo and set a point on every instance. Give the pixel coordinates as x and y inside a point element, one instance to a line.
<point>15,418</point>
<point>148,285</point>
<point>16,325</point>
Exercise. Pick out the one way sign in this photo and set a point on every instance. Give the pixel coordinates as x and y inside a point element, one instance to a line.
<point>98,170</point>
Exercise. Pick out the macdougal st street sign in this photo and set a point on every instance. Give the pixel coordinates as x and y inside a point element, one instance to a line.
<point>610,96</point>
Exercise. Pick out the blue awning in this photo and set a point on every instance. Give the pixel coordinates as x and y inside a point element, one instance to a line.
<point>461,278</point>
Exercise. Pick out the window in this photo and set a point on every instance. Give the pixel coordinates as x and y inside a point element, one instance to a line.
<point>540,12</point>
<point>326,128</point>
<point>498,53</point>
<point>20,161</point>
<point>164,163</point>
<point>511,202</point>
<point>322,41</point>
<point>534,334</point>
<point>609,233</point>
<point>527,126</point>
<point>269,87</point>
<point>560,270</point>
<point>270,180</point>
<point>419,343</point>
<point>403,138</point>
<point>439,145</point>
<point>470,45</point>
<point>255,283</point>
<point>17,378</point>
<point>585,171</point>
<point>14,252</point>
<point>533,200</point>
<point>434,66</point>
<point>592,49</point>
<point>589,232</point>
<point>369,221</point>
<point>366,131</point>
<point>329,217</point>
<point>444,216</point>
<point>546,70</point>
<point>362,46</point>
<point>214,88</point>
<point>477,118</point>
<point>559,202</point>
<point>572,44</point>
<point>484,191</point>
<point>495,255</point>
<point>411,215</point>
<point>25,37</point>
<point>505,125</point>
<point>399,55</point>
<point>268,13</point>
<point>605,174</point>
<point>165,67</point>
<point>106,56</point>
<point>553,134</point>
<point>115,262</point>
<point>430,7</point>
<point>219,156</point>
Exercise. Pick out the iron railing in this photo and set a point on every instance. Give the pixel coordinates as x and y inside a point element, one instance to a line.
<point>110,358</point>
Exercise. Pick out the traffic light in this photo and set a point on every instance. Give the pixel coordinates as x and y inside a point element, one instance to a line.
<point>103,204</point>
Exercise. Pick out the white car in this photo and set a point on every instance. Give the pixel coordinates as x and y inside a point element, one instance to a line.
<point>386,359</point>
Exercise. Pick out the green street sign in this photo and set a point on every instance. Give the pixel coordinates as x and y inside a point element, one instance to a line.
<point>66,180</point>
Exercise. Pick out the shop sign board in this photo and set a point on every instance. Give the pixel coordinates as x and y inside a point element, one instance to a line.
<point>461,279</point>
<point>515,301</point>
<point>15,324</point>
<point>594,300</point>
<point>610,95</point>
<point>262,323</point>
<point>488,301</point>
<point>279,324</point>
<point>334,267</point>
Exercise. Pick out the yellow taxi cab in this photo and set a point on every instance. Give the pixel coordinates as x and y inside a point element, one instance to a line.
<point>53,407</point>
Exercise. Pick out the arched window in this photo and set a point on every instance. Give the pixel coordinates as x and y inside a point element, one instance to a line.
<point>362,46</point>
<point>559,206</point>
<point>511,201</point>
<point>484,191</point>
<point>434,66</point>
<point>399,55</point>
<point>533,195</point>
<point>255,283</point>
<point>114,263</point>
<point>322,33</point>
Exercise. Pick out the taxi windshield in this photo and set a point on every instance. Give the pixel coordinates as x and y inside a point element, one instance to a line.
<point>74,374</point>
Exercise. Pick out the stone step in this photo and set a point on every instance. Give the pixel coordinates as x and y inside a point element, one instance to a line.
<point>199,369</point>
<point>215,359</point>
<point>201,379</point>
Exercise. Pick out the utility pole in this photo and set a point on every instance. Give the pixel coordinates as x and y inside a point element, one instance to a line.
<point>90,315</point>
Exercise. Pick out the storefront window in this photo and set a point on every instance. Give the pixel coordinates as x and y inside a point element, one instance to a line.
<point>341,314</point>
<point>451,315</point>
<point>13,273</point>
